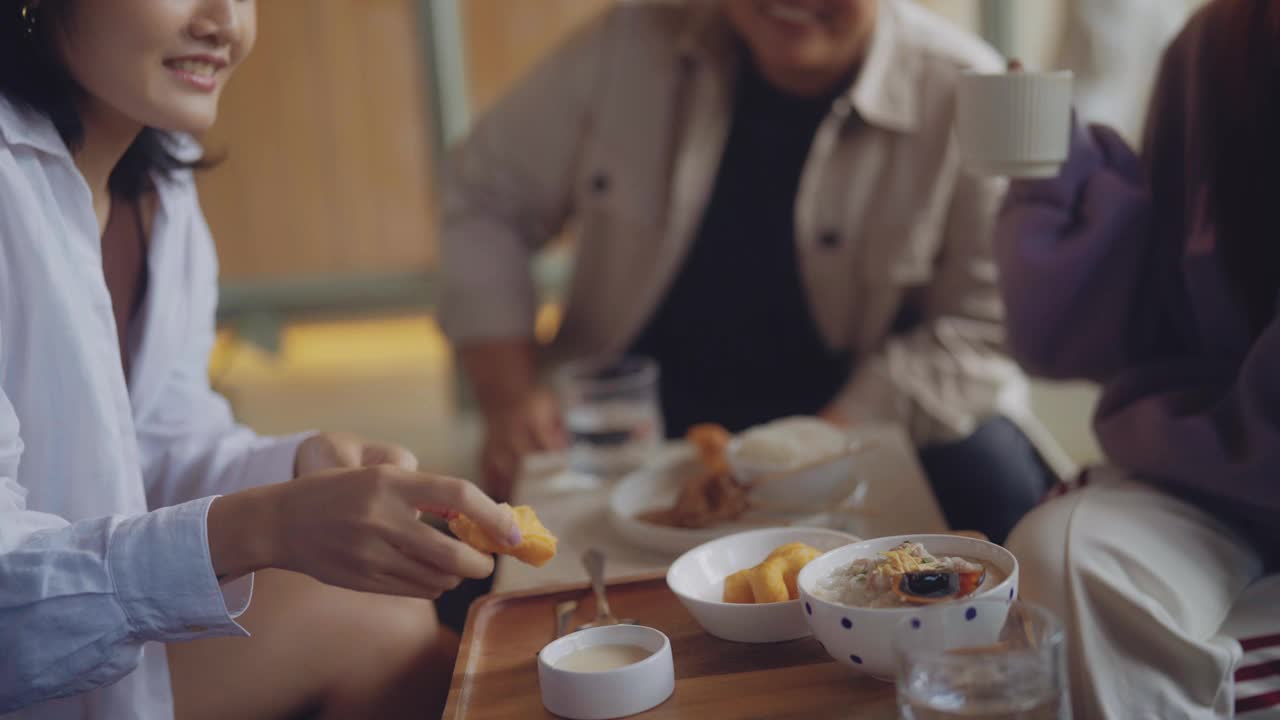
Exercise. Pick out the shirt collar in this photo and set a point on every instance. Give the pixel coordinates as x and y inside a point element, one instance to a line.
<point>22,125</point>
<point>706,35</point>
<point>884,92</point>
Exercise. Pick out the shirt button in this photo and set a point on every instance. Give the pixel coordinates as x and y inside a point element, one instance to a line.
<point>600,183</point>
<point>197,628</point>
<point>829,239</point>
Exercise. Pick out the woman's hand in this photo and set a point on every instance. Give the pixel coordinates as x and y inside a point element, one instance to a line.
<point>358,529</point>
<point>325,451</point>
<point>528,425</point>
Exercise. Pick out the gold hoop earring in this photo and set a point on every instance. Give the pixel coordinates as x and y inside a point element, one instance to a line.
<point>28,15</point>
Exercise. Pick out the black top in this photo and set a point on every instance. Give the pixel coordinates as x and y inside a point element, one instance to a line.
<point>124,268</point>
<point>734,337</point>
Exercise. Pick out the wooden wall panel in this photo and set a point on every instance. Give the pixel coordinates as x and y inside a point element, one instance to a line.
<point>327,139</point>
<point>504,38</point>
<point>327,145</point>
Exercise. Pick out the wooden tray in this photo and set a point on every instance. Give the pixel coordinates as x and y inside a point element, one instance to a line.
<point>496,677</point>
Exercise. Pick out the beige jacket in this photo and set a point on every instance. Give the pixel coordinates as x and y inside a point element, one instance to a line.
<point>618,135</point>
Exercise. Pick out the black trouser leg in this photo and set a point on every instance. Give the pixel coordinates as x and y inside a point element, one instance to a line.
<point>989,480</point>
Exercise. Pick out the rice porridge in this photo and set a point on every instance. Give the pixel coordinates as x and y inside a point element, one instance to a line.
<point>907,575</point>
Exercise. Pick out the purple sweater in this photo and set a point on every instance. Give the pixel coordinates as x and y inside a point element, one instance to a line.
<point>1111,273</point>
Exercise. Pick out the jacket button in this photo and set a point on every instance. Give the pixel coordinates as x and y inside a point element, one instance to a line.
<point>600,183</point>
<point>829,239</point>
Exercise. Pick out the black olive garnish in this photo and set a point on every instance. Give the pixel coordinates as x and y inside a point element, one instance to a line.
<point>930,584</point>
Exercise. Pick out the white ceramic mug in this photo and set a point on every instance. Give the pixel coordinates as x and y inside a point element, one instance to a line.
<point>1015,123</point>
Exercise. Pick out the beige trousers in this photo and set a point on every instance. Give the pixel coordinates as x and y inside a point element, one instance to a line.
<point>1143,581</point>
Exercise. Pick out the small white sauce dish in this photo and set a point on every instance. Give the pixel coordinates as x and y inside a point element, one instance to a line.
<point>862,637</point>
<point>697,579</point>
<point>605,694</point>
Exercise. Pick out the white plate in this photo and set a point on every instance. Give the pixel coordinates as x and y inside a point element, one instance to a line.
<point>656,486</point>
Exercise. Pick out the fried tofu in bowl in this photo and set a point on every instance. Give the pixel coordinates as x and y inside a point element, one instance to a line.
<point>742,587</point>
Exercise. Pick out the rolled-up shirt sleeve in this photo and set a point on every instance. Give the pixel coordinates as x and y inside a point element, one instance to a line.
<point>78,600</point>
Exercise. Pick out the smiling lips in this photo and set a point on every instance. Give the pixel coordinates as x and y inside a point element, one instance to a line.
<point>199,73</point>
<point>792,13</point>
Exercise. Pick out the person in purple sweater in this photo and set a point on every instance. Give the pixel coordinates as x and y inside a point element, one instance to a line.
<point>1157,277</point>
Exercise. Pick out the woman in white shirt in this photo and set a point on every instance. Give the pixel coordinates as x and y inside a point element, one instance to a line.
<point>133,510</point>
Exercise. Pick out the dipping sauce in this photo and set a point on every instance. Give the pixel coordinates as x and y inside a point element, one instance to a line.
<point>599,658</point>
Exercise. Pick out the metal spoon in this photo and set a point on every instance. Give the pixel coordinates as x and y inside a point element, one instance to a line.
<point>593,561</point>
<point>564,613</point>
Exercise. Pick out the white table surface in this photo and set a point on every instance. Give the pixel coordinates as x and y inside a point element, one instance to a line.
<point>897,492</point>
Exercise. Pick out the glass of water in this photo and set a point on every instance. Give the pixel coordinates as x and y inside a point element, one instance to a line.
<point>997,659</point>
<point>611,414</point>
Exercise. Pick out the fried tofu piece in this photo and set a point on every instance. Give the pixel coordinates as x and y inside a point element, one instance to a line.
<point>767,582</point>
<point>773,580</point>
<point>737,588</point>
<point>537,545</point>
<point>794,559</point>
<point>789,549</point>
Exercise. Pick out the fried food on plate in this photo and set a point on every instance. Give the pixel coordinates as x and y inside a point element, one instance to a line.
<point>705,500</point>
<point>711,496</point>
<point>712,443</point>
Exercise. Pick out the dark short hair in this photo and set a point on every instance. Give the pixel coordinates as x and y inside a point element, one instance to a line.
<point>1240,116</point>
<point>33,74</point>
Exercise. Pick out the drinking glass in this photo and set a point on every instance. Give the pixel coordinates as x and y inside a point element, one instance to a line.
<point>611,414</point>
<point>989,659</point>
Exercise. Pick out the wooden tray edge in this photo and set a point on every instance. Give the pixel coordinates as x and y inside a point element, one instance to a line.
<point>453,709</point>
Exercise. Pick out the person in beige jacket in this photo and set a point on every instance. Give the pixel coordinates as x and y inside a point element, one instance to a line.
<point>766,198</point>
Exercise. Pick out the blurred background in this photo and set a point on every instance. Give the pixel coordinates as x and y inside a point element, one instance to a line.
<point>325,205</point>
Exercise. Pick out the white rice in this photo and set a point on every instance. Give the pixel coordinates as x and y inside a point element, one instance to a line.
<point>790,443</point>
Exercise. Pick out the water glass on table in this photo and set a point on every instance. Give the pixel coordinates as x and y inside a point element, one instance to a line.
<point>611,414</point>
<point>990,660</point>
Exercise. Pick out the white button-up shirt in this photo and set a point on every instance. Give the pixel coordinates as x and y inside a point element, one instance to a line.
<point>105,487</point>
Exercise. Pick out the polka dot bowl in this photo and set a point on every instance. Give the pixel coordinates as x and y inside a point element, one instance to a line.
<point>862,638</point>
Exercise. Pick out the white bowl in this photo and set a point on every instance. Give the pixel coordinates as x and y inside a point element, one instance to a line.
<point>614,693</point>
<point>697,578</point>
<point>862,638</point>
<point>816,486</point>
